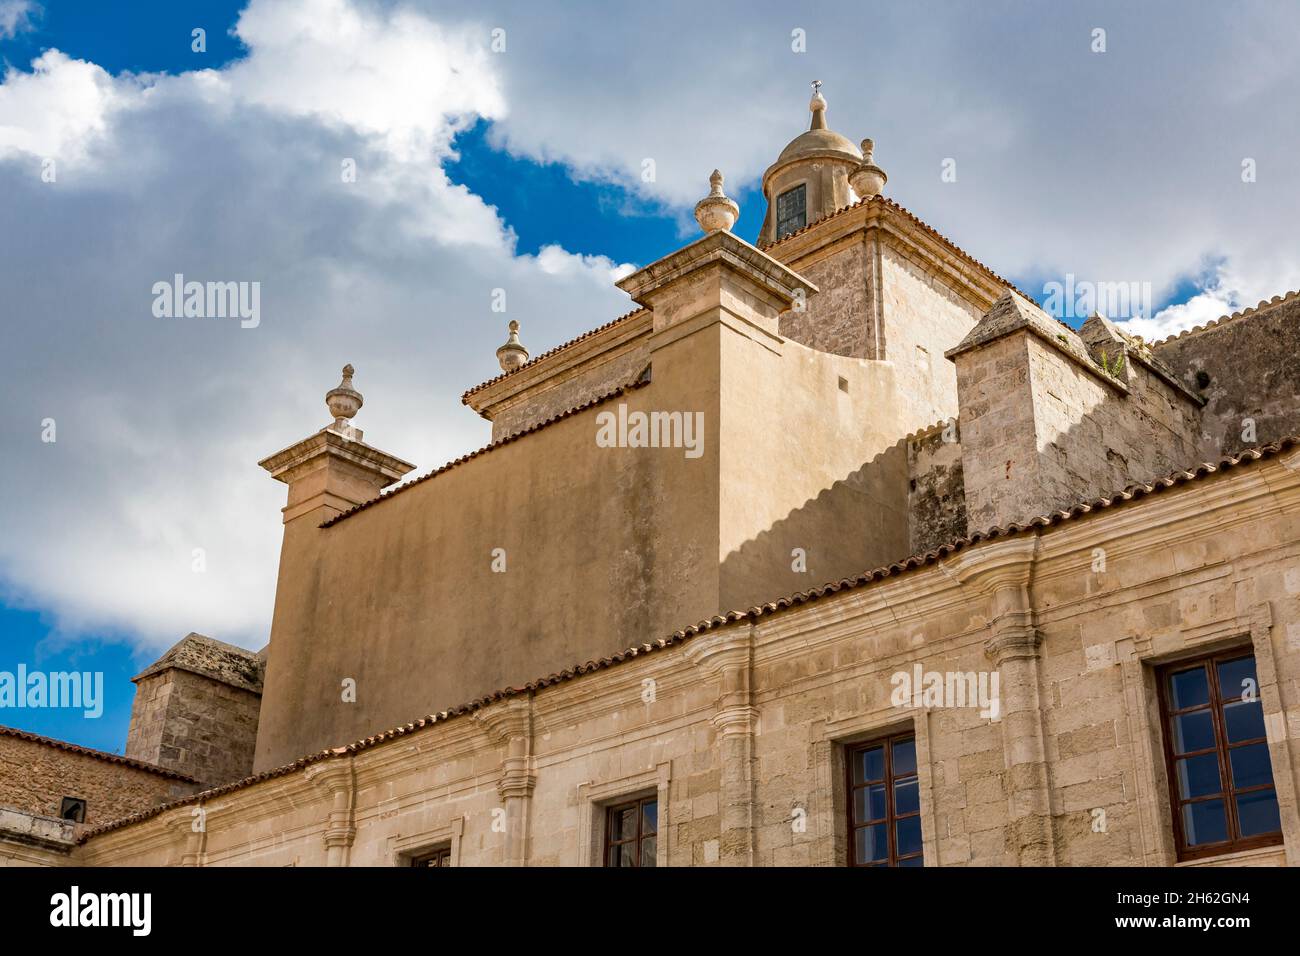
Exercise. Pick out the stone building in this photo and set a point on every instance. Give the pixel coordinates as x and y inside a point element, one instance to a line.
<point>836,549</point>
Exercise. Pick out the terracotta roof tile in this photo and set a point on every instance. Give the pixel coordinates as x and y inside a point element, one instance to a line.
<point>97,754</point>
<point>890,204</point>
<point>613,393</point>
<point>1132,492</point>
<point>1263,306</point>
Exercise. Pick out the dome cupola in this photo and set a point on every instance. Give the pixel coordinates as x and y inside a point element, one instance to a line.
<point>810,179</point>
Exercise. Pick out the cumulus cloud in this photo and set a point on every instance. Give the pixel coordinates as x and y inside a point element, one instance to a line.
<point>1116,167</point>
<point>1122,166</point>
<point>147,517</point>
<point>59,108</point>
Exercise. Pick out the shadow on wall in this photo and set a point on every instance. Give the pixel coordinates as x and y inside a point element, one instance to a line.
<point>859,523</point>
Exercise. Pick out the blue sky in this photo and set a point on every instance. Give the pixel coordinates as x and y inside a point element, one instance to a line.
<point>518,170</point>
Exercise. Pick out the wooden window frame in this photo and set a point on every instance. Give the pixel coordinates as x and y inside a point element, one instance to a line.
<point>892,858</point>
<point>1227,792</point>
<point>440,856</point>
<point>637,841</point>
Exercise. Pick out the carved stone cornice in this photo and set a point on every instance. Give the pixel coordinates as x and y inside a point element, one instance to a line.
<point>714,652</point>
<point>335,779</point>
<point>506,720</point>
<point>735,719</point>
<point>510,723</point>
<point>1013,642</point>
<point>517,779</point>
<point>996,565</point>
<point>719,248</point>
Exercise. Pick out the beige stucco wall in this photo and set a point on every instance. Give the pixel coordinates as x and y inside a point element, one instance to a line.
<point>604,547</point>
<point>923,315</point>
<point>1209,564</point>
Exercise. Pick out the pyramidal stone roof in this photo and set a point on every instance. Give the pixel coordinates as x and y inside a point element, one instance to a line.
<point>203,655</point>
<point>1011,313</point>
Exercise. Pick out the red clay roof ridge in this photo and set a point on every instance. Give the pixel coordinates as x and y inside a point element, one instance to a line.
<point>464,399</point>
<point>92,752</point>
<point>491,446</point>
<point>1130,493</point>
<point>1264,305</point>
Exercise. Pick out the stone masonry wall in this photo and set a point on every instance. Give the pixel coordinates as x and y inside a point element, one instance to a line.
<point>195,725</point>
<point>1249,369</point>
<point>1093,440</point>
<point>998,447</point>
<point>937,493</point>
<point>1040,433</point>
<point>35,777</point>
<point>742,730</point>
<point>838,318</point>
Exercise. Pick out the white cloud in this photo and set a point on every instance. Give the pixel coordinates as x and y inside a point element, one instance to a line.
<point>235,174</point>
<point>1116,167</point>
<point>16,16</point>
<point>1120,167</point>
<point>59,108</point>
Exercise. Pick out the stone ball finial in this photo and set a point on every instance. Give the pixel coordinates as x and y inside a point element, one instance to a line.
<point>343,400</point>
<point>716,211</point>
<point>513,354</point>
<point>817,106</point>
<point>868,179</point>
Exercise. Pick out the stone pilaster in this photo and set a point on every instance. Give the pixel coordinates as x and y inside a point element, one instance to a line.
<point>510,724</point>
<point>191,831</point>
<point>727,656</point>
<point>335,778</point>
<point>1003,572</point>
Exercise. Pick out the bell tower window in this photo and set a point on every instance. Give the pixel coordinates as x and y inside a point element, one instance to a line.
<point>791,211</point>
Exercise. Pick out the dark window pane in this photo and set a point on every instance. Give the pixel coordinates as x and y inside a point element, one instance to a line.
<point>625,854</point>
<point>1194,731</point>
<point>1250,766</point>
<point>624,824</point>
<point>875,802</point>
<point>648,851</point>
<point>791,211</point>
<point>907,796</point>
<point>1257,813</point>
<point>1198,776</point>
<point>869,803</point>
<point>1204,822</point>
<point>912,861</point>
<point>1237,679</point>
<point>650,816</point>
<point>1189,688</point>
<point>869,765</point>
<point>904,757</point>
<point>907,833</point>
<point>872,843</point>
<point>1244,721</point>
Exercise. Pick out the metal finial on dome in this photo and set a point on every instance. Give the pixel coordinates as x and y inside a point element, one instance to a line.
<point>818,106</point>
<point>716,211</point>
<point>513,354</point>
<point>343,400</point>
